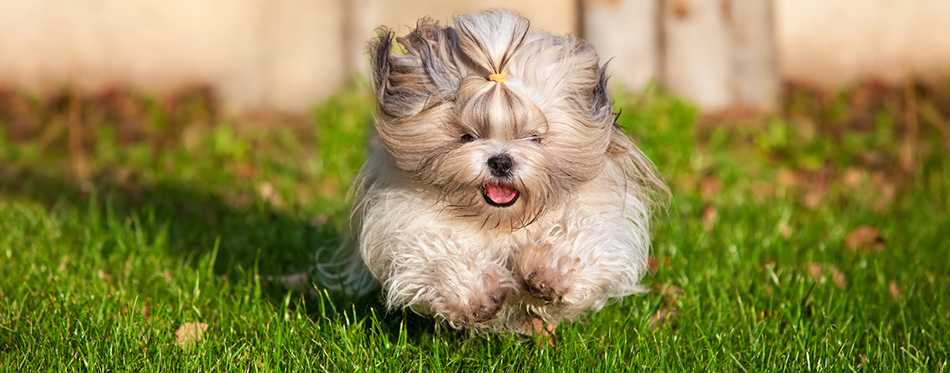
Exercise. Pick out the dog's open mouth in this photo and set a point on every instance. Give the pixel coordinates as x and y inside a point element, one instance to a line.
<point>500,195</point>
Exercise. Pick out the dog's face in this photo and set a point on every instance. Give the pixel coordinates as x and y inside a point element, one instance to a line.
<point>500,131</point>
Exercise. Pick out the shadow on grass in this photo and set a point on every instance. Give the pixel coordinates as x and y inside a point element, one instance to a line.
<point>254,238</point>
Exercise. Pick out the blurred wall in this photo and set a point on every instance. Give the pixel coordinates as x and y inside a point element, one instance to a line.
<point>275,54</point>
<point>829,43</point>
<point>289,54</point>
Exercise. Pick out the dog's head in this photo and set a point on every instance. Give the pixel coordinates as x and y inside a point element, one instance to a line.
<point>500,121</point>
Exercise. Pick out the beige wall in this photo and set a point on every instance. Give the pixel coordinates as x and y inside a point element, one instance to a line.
<point>834,42</point>
<point>289,54</point>
<point>279,53</point>
<point>283,54</point>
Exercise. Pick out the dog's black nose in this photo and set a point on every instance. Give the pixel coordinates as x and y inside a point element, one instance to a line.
<point>500,165</point>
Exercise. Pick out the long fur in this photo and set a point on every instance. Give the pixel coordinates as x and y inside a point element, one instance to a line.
<point>577,235</point>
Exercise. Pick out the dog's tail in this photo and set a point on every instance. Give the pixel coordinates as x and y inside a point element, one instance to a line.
<point>340,271</point>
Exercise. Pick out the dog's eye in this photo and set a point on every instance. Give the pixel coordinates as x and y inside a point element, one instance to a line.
<point>535,139</point>
<point>467,138</point>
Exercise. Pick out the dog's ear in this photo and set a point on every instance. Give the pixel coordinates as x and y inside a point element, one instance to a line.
<point>414,73</point>
<point>601,104</point>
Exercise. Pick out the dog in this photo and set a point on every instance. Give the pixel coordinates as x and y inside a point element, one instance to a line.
<point>503,197</point>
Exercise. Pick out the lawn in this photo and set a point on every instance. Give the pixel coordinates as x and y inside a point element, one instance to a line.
<point>816,239</point>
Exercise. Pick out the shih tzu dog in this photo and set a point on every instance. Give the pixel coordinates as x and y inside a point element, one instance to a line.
<point>504,197</point>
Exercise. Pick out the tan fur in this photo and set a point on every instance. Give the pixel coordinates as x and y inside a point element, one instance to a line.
<point>578,232</point>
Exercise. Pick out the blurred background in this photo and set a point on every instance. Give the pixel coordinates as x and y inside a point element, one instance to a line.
<point>287,55</point>
<point>162,161</point>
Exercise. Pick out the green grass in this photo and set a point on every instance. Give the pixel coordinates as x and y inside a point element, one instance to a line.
<point>99,272</point>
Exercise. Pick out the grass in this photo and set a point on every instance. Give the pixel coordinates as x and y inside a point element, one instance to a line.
<point>109,249</point>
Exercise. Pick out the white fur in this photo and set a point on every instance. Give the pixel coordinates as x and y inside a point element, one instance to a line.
<point>426,233</point>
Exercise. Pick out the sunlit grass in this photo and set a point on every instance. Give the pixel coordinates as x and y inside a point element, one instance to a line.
<point>752,270</point>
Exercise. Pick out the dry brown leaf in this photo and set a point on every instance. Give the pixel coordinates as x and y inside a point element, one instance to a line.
<point>852,177</point>
<point>862,359</point>
<point>147,312</point>
<point>838,277</point>
<point>885,189</point>
<point>709,217</point>
<point>710,187</point>
<point>784,229</point>
<point>864,238</point>
<point>686,182</point>
<point>246,170</point>
<point>762,190</point>
<point>297,282</point>
<point>670,292</point>
<point>544,332</point>
<point>817,272</point>
<point>812,198</point>
<point>671,302</point>
<point>319,220</point>
<point>894,289</point>
<point>328,189</point>
<point>762,315</point>
<point>267,191</point>
<point>789,178</point>
<point>664,315</point>
<point>653,265</point>
<point>815,269</point>
<point>190,333</point>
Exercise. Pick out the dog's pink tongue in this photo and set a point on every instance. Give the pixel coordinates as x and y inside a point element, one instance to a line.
<point>501,194</point>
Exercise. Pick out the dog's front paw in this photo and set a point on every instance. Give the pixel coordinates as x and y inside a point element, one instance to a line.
<point>471,309</point>
<point>546,284</point>
<point>480,310</point>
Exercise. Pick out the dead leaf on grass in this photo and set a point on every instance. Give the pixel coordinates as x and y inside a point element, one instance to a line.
<point>297,281</point>
<point>838,277</point>
<point>762,190</point>
<point>864,238</point>
<point>147,312</point>
<point>654,263</point>
<point>267,191</point>
<point>709,217</point>
<point>815,269</point>
<point>817,272</point>
<point>852,177</point>
<point>789,178</point>
<point>784,229</point>
<point>319,220</point>
<point>885,189</point>
<point>671,293</point>
<point>894,290</point>
<point>862,359</point>
<point>710,187</point>
<point>671,302</point>
<point>328,189</point>
<point>190,333</point>
<point>246,170</point>
<point>664,315</point>
<point>812,198</point>
<point>543,332</point>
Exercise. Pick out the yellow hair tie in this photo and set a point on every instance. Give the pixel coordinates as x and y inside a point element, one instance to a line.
<point>500,77</point>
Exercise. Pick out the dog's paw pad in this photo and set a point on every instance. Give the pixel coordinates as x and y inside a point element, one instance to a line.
<point>478,310</point>
<point>485,311</point>
<point>546,285</point>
